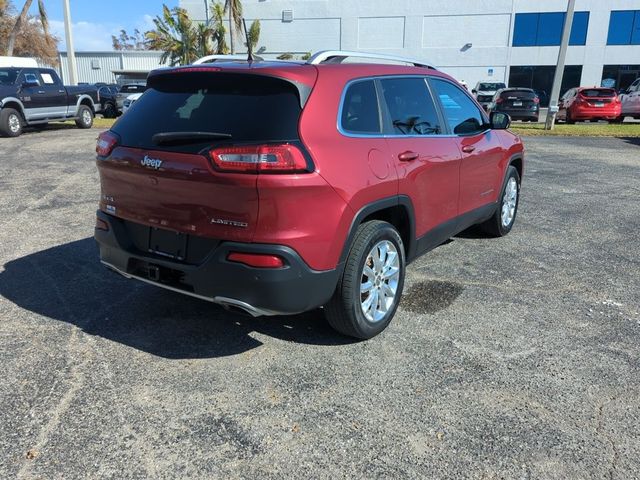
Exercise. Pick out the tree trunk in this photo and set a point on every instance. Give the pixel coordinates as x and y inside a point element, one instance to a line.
<point>16,28</point>
<point>231,25</point>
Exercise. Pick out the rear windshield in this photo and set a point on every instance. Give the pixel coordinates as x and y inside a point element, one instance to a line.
<point>518,94</point>
<point>490,86</point>
<point>250,108</point>
<point>598,92</point>
<point>133,88</point>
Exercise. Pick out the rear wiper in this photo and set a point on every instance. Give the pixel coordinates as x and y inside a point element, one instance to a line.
<point>177,138</point>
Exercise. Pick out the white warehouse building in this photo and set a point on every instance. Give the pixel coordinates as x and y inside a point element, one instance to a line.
<point>514,41</point>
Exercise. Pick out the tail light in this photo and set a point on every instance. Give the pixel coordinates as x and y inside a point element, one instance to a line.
<point>536,100</point>
<point>499,100</point>
<point>107,141</point>
<point>257,260</point>
<point>283,158</point>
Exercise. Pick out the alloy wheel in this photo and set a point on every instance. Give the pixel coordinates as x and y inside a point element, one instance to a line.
<point>379,283</point>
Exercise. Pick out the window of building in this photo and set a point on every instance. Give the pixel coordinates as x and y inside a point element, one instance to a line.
<point>360,112</point>
<point>410,107</point>
<point>620,76</point>
<point>545,29</point>
<point>540,79</point>
<point>624,28</point>
<point>461,112</point>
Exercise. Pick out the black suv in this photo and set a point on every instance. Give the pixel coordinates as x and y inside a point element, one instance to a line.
<point>108,98</point>
<point>519,103</point>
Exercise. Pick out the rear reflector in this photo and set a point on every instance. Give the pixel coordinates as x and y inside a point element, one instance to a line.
<point>107,141</point>
<point>284,158</point>
<point>256,260</point>
<point>101,225</point>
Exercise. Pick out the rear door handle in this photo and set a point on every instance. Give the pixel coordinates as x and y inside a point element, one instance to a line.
<point>468,148</point>
<point>408,156</point>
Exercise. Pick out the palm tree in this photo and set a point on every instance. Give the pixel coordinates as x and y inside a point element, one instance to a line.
<point>44,20</point>
<point>176,35</point>
<point>234,9</point>
<point>218,29</point>
<point>253,35</point>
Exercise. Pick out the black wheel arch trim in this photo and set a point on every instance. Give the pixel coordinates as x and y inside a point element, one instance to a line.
<point>378,206</point>
<point>516,157</point>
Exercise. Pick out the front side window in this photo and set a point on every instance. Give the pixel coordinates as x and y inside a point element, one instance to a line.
<point>410,106</point>
<point>30,75</point>
<point>462,114</point>
<point>360,113</point>
<point>624,28</point>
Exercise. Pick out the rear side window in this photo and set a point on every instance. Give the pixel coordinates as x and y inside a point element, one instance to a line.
<point>410,107</point>
<point>462,114</point>
<point>598,92</point>
<point>360,113</point>
<point>250,108</point>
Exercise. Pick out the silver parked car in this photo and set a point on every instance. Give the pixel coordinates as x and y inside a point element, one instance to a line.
<point>129,89</point>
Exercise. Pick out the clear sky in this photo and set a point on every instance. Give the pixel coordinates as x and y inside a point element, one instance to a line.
<point>94,21</point>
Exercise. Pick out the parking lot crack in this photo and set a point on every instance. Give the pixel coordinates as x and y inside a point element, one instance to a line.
<point>76,378</point>
<point>615,454</point>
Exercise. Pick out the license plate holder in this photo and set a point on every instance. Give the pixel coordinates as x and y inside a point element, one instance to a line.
<point>599,104</point>
<point>167,243</point>
<point>517,104</point>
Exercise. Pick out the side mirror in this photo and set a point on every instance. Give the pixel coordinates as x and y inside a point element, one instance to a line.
<point>499,121</point>
<point>474,91</point>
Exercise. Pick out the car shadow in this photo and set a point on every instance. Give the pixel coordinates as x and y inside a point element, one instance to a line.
<point>30,130</point>
<point>632,140</point>
<point>68,283</point>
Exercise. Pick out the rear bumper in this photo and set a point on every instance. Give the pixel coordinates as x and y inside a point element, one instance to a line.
<point>595,114</point>
<point>295,288</point>
<point>524,114</point>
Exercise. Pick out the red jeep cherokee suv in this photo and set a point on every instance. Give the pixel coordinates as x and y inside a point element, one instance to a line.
<point>279,187</point>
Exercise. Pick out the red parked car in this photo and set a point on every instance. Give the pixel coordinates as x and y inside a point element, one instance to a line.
<point>279,187</point>
<point>592,104</point>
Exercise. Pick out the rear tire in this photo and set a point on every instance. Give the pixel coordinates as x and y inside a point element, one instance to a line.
<point>11,123</point>
<point>370,288</point>
<point>85,117</point>
<point>569,120</point>
<point>109,111</point>
<point>501,222</point>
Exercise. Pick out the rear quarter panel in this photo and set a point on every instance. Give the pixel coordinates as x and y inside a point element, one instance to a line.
<point>359,170</point>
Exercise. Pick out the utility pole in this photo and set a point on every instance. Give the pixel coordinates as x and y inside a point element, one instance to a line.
<point>206,12</point>
<point>562,56</point>
<point>71,54</point>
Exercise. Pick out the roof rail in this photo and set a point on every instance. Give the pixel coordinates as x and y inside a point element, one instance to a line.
<point>338,56</point>
<point>228,58</point>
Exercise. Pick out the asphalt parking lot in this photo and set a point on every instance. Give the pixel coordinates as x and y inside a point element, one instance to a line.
<point>514,358</point>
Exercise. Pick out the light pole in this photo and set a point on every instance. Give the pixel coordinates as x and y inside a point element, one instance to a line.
<point>557,78</point>
<point>206,12</point>
<point>71,54</point>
